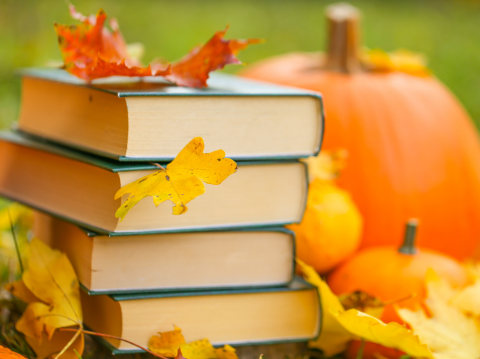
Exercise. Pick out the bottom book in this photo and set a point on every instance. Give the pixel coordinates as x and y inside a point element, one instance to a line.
<point>238,317</point>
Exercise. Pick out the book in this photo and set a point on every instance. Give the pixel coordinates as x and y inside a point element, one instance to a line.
<point>151,120</point>
<point>237,317</point>
<point>80,188</point>
<point>172,262</point>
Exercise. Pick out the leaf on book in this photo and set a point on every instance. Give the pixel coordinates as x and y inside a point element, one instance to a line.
<point>340,326</point>
<point>172,345</point>
<point>194,68</point>
<point>6,353</point>
<point>181,181</point>
<point>448,328</point>
<point>91,51</point>
<point>51,289</point>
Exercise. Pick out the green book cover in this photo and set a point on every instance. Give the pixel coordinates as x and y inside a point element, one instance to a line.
<point>90,233</point>
<point>280,134</point>
<point>117,167</point>
<point>298,284</point>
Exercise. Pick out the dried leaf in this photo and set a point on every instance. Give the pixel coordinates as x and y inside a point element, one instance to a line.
<point>92,51</point>
<point>333,337</point>
<point>391,335</point>
<point>181,181</point>
<point>339,327</point>
<point>89,50</point>
<point>194,68</point>
<point>363,302</point>
<point>203,349</point>
<point>448,332</point>
<point>6,353</point>
<point>167,343</point>
<point>51,289</point>
<point>172,344</point>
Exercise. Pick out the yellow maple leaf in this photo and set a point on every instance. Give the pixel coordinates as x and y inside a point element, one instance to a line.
<point>51,289</point>
<point>339,326</point>
<point>181,181</point>
<point>172,344</point>
<point>449,330</point>
<point>167,343</point>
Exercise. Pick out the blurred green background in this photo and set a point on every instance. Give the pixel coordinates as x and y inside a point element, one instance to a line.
<point>448,32</point>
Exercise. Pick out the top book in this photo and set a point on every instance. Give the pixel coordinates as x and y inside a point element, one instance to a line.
<point>151,120</point>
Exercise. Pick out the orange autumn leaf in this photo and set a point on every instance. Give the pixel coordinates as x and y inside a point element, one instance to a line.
<point>167,343</point>
<point>172,344</point>
<point>90,50</point>
<point>194,68</point>
<point>6,353</point>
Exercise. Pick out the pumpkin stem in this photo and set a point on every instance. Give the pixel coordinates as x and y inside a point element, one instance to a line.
<point>343,53</point>
<point>408,246</point>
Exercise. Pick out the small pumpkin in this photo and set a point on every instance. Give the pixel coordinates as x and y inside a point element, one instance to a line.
<point>390,274</point>
<point>331,227</point>
<point>414,151</point>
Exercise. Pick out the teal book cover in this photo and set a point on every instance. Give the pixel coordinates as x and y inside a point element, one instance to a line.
<point>297,305</point>
<point>151,120</point>
<point>69,184</point>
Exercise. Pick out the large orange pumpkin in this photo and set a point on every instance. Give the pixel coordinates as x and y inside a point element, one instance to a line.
<point>389,273</point>
<point>413,149</point>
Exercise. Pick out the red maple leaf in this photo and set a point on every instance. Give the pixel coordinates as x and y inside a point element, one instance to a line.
<point>91,51</point>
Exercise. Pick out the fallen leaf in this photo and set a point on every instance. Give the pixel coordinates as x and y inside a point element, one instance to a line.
<point>6,353</point>
<point>172,344</point>
<point>446,329</point>
<point>51,289</point>
<point>364,302</point>
<point>181,181</point>
<point>339,326</point>
<point>194,68</point>
<point>333,337</point>
<point>391,335</point>
<point>167,343</point>
<point>90,50</point>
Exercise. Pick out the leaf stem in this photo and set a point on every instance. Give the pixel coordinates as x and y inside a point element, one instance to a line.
<point>15,241</point>
<point>112,337</point>
<point>361,349</point>
<point>158,165</point>
<point>70,343</point>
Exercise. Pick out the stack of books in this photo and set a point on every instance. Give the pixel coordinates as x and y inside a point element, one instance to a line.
<point>225,269</point>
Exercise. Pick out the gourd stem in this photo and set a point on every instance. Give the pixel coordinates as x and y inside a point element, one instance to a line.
<point>408,246</point>
<point>343,51</point>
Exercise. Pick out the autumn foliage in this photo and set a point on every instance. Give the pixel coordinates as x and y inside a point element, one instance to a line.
<point>90,51</point>
<point>181,181</point>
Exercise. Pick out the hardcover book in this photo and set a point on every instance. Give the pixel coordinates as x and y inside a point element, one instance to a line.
<point>81,188</point>
<point>153,120</point>
<point>172,262</point>
<point>251,316</point>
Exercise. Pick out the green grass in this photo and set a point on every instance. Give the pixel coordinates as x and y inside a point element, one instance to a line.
<point>446,31</point>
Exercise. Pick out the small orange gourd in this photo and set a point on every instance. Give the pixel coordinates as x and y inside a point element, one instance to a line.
<point>414,151</point>
<point>390,274</point>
